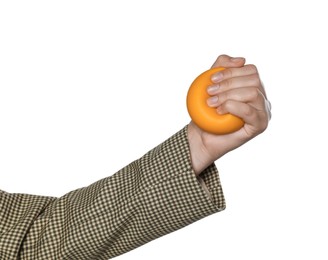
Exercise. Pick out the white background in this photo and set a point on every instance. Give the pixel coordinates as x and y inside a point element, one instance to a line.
<point>88,86</point>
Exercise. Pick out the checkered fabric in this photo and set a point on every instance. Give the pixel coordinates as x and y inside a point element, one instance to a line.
<point>153,196</point>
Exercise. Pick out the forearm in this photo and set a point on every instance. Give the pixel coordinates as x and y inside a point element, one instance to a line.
<point>153,196</point>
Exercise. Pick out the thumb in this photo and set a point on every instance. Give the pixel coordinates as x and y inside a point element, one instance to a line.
<point>229,62</point>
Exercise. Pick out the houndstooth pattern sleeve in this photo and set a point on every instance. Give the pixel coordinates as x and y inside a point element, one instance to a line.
<point>153,196</point>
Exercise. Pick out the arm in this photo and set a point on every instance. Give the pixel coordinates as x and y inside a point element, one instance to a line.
<point>170,187</point>
<point>154,195</point>
<point>17,214</point>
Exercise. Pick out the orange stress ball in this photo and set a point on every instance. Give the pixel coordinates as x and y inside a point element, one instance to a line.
<point>204,116</point>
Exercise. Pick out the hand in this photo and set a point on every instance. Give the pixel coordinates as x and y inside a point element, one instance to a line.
<point>237,90</point>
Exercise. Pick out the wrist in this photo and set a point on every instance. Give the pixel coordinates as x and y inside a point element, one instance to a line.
<point>200,158</point>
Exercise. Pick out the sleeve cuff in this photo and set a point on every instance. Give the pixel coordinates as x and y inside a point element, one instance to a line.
<point>208,180</point>
<point>171,165</point>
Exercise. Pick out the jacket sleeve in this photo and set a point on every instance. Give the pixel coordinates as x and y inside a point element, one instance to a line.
<point>152,196</point>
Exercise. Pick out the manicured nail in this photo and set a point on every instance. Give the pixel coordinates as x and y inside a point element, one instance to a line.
<point>212,101</point>
<point>217,77</point>
<point>212,89</point>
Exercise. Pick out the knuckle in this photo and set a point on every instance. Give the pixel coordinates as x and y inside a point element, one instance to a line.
<point>254,93</point>
<point>248,111</point>
<point>256,81</point>
<point>222,57</point>
<point>228,105</point>
<point>227,84</point>
<point>251,68</point>
<point>227,73</point>
<point>223,97</point>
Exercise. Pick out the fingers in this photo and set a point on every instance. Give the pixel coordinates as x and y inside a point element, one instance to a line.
<point>246,103</point>
<point>234,82</point>
<point>250,95</point>
<point>246,76</point>
<point>239,91</point>
<point>228,62</point>
<point>229,73</point>
<point>256,121</point>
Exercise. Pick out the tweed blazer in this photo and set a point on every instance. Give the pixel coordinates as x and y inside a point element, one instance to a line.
<point>152,196</point>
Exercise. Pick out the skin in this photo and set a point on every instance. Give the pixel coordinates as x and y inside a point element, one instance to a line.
<point>237,90</point>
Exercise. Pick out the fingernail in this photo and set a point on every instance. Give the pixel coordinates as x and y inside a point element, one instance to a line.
<point>212,89</point>
<point>236,59</point>
<point>217,77</point>
<point>212,101</point>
